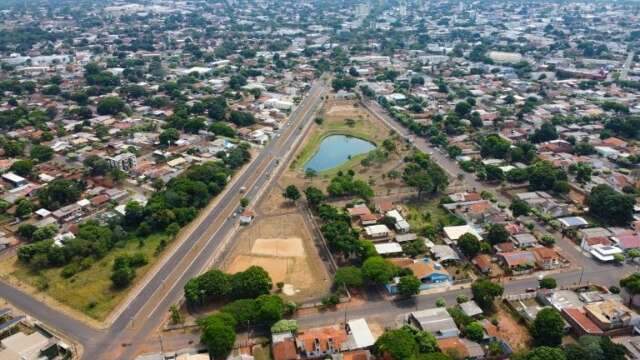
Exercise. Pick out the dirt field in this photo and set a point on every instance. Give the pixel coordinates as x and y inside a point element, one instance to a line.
<point>290,247</point>
<point>509,329</point>
<point>282,245</point>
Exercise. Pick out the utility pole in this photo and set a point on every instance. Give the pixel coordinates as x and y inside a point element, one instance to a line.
<point>581,273</point>
<point>161,346</point>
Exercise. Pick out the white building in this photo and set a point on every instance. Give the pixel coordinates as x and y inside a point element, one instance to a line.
<point>377,231</point>
<point>123,162</point>
<point>604,253</point>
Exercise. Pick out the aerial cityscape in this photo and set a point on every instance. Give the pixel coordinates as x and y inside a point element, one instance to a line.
<point>319,179</point>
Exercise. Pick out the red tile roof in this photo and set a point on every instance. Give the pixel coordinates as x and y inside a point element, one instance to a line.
<point>482,261</point>
<point>385,206</point>
<point>359,210</point>
<point>284,350</point>
<point>336,333</point>
<point>579,318</point>
<point>545,253</point>
<point>598,240</point>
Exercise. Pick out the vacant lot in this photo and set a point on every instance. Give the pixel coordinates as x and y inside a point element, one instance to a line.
<point>89,291</point>
<point>509,329</point>
<point>426,212</point>
<point>282,245</point>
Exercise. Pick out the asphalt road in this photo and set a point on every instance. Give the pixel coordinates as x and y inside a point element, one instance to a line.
<point>265,163</point>
<point>627,65</point>
<point>448,164</point>
<point>148,307</point>
<point>388,312</point>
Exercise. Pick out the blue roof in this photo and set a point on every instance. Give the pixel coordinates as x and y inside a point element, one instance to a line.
<point>573,221</point>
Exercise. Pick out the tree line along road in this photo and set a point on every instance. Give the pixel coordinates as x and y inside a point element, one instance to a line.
<point>147,308</point>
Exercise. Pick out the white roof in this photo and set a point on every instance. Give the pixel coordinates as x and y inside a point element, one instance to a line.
<point>388,248</point>
<point>455,232</point>
<point>362,337</point>
<point>121,209</point>
<point>13,177</point>
<point>42,212</point>
<point>83,202</point>
<point>403,225</point>
<point>571,221</point>
<point>376,229</point>
<point>26,346</point>
<point>396,215</point>
<point>604,252</point>
<point>176,162</point>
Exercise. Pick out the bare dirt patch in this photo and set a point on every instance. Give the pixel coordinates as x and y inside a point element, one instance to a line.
<point>289,247</point>
<point>510,330</point>
<point>276,267</point>
<point>283,246</point>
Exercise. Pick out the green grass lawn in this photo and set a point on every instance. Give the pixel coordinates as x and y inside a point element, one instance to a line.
<point>423,213</point>
<point>90,291</point>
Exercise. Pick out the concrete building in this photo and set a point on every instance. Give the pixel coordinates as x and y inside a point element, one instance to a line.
<point>123,162</point>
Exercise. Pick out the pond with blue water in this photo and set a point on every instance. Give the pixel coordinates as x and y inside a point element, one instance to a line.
<point>334,150</point>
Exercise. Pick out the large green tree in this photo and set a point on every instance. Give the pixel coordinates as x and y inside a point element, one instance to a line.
<point>611,206</point>
<point>485,291</point>
<point>251,283</point>
<point>349,276</point>
<point>377,270</point>
<point>409,285</point>
<point>469,245</point>
<point>110,105</point>
<point>399,344</point>
<point>548,328</point>
<point>218,334</point>
<point>497,234</point>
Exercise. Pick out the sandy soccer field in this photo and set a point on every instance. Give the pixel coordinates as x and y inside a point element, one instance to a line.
<point>282,246</point>
<point>289,247</point>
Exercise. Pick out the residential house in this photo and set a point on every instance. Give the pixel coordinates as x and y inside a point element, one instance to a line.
<point>437,321</point>
<point>580,322</point>
<point>524,240</point>
<point>358,210</point>
<point>430,273</point>
<point>547,258</point>
<point>604,253</point>
<point>444,253</point>
<point>453,233</point>
<point>627,241</point>
<point>483,263</point>
<point>388,249</point>
<point>611,314</point>
<point>368,219</point>
<point>592,236</point>
<point>359,335</point>
<point>318,343</point>
<point>518,262</point>
<point>461,348</point>
<point>247,216</point>
<point>283,347</point>
<point>573,222</point>
<point>377,232</point>
<point>471,308</point>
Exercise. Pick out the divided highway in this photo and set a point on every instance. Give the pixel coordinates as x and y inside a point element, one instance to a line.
<point>148,305</point>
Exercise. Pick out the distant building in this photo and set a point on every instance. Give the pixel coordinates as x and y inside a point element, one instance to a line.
<point>123,162</point>
<point>14,179</point>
